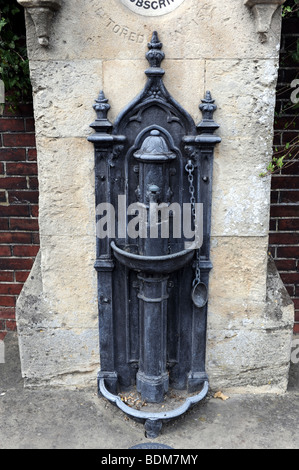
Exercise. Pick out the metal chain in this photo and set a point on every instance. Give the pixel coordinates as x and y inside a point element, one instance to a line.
<point>190,170</point>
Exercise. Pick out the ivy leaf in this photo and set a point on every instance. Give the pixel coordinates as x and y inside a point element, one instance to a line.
<point>271,167</point>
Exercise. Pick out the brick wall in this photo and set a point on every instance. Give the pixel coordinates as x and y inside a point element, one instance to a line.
<point>19,240</point>
<point>284,223</point>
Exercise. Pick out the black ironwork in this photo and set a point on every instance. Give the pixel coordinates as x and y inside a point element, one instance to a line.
<point>152,315</point>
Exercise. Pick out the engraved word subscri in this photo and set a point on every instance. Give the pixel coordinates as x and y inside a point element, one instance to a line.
<point>152,7</point>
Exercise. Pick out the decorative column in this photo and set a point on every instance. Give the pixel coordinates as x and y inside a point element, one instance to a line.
<point>152,378</point>
<point>107,147</point>
<point>201,148</point>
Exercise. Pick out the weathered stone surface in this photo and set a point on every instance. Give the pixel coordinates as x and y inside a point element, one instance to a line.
<point>239,269</point>
<point>63,281</point>
<point>236,184</point>
<point>55,349</point>
<point>66,178</point>
<point>245,92</point>
<point>202,29</point>
<point>132,72</point>
<point>249,344</point>
<point>62,101</point>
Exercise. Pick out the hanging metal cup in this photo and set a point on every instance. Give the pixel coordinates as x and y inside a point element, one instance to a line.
<point>199,294</point>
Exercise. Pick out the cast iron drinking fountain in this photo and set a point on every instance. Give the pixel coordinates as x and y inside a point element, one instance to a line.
<point>153,282</point>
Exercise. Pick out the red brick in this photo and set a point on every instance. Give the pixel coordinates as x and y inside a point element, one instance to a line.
<point>22,276</point>
<point>30,225</point>
<point>21,169</point>
<point>291,168</point>
<point>281,210</point>
<point>12,125</point>
<point>286,264</point>
<point>33,183</point>
<point>290,289</point>
<point>5,251</point>
<point>34,210</point>
<point>12,155</point>
<point>285,182</point>
<point>4,225</point>
<point>7,301</point>
<point>297,316</point>
<point>284,238</point>
<point>296,328</point>
<point>30,124</point>
<point>15,237</point>
<point>287,197</point>
<point>16,210</point>
<point>6,276</point>
<point>12,264</point>
<point>7,313</point>
<point>296,303</point>
<point>11,325</point>
<point>290,278</point>
<point>272,226</point>
<point>32,154</point>
<point>2,325</point>
<point>23,197</point>
<point>10,289</point>
<point>2,196</point>
<point>25,251</point>
<point>1,169</point>
<point>13,183</point>
<point>19,140</point>
<point>287,252</point>
<point>288,224</point>
<point>35,239</point>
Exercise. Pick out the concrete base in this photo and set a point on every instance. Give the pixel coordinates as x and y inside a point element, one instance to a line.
<point>56,419</point>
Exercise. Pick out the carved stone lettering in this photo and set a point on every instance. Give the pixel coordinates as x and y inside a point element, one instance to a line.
<point>152,7</point>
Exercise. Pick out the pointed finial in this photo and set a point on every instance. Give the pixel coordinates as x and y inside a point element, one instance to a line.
<point>101,107</point>
<point>208,107</point>
<point>155,42</point>
<point>155,55</point>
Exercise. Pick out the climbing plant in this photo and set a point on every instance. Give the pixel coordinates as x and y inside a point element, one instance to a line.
<point>14,64</point>
<point>286,156</point>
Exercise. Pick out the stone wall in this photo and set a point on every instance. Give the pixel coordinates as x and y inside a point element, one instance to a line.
<point>209,45</point>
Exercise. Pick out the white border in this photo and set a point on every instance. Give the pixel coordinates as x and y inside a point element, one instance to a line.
<point>151,12</point>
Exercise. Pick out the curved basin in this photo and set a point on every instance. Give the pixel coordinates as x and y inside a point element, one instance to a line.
<point>153,264</point>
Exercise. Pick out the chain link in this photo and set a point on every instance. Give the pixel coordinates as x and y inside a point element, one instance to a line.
<point>190,170</point>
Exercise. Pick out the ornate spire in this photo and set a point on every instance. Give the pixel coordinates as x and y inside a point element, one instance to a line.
<point>101,107</point>
<point>207,107</point>
<point>155,55</point>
